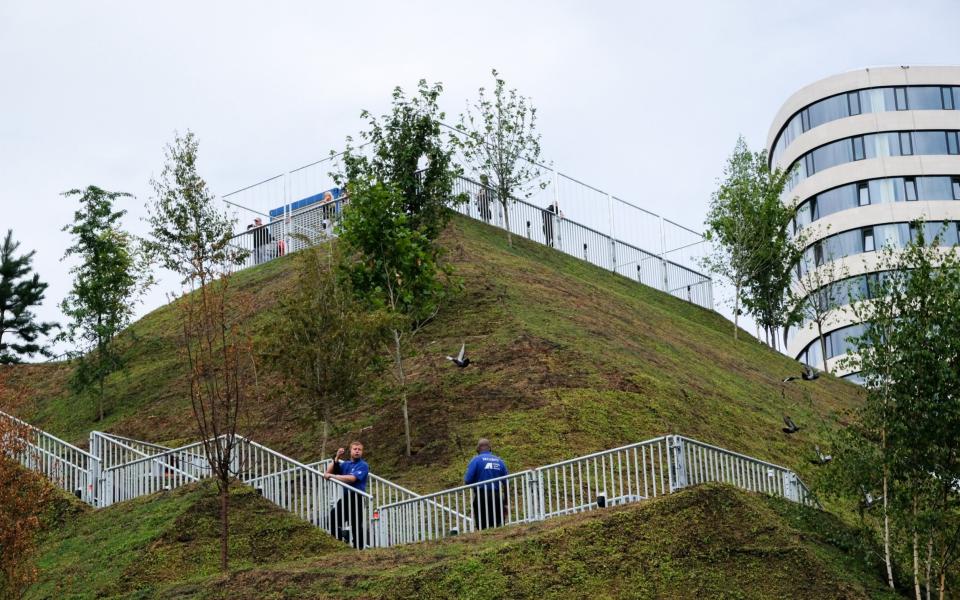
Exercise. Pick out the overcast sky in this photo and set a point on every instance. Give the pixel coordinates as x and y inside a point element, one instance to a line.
<point>642,100</point>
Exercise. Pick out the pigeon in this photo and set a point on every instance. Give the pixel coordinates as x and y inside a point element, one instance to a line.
<point>809,374</point>
<point>868,499</point>
<point>821,458</point>
<point>460,360</point>
<point>791,427</point>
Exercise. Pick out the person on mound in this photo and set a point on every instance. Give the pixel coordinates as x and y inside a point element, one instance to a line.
<point>489,499</point>
<point>350,508</point>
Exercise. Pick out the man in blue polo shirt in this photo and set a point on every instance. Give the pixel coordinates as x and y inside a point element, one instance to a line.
<point>489,499</point>
<point>354,473</point>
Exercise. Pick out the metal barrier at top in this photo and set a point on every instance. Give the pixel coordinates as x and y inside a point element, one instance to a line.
<point>304,204</point>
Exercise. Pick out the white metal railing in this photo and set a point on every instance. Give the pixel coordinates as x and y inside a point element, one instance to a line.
<point>619,476</point>
<point>67,466</point>
<point>388,514</point>
<point>506,500</point>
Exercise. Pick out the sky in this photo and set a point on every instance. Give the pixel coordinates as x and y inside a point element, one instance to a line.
<point>643,100</point>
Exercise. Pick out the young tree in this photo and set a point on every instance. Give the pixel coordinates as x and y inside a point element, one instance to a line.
<point>190,237</point>
<point>909,363</point>
<point>336,338</point>
<point>501,142</point>
<point>409,153</point>
<point>818,295</point>
<point>392,267</point>
<point>19,292</point>
<point>188,231</point>
<point>24,496</point>
<point>222,373</point>
<point>749,224</point>
<point>110,276</point>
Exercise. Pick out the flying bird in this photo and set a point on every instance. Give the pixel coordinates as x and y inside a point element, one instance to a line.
<point>809,374</point>
<point>868,499</point>
<point>791,427</point>
<point>821,458</point>
<point>460,360</point>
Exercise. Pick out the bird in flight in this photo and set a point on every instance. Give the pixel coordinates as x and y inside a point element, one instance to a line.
<point>821,458</point>
<point>460,360</point>
<point>791,427</point>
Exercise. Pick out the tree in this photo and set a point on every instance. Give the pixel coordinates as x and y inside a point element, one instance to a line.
<point>409,154</point>
<point>24,496</point>
<point>911,369</point>
<point>19,292</point>
<point>501,142</point>
<point>818,295</point>
<point>749,224</point>
<point>336,338</point>
<point>106,283</point>
<point>188,232</point>
<point>393,267</point>
<point>191,237</point>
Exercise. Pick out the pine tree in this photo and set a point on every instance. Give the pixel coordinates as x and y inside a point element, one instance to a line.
<point>19,292</point>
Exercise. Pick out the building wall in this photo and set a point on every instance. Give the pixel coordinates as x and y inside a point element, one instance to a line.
<point>872,150</point>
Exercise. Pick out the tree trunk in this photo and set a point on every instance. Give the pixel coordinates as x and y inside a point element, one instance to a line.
<point>401,378</point>
<point>506,221</point>
<point>823,347</point>
<point>943,583</point>
<point>736,311</point>
<point>886,532</point>
<point>224,523</point>
<point>929,564</point>
<point>101,399</point>
<point>916,555</point>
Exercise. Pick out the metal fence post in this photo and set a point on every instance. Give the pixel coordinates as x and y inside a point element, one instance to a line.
<point>678,465</point>
<point>790,486</point>
<point>663,256</point>
<point>535,485</point>
<point>613,235</point>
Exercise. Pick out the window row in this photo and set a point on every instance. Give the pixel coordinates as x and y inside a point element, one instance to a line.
<point>870,239</point>
<point>866,101</point>
<point>838,342</point>
<point>874,145</point>
<point>875,191</point>
<point>846,291</point>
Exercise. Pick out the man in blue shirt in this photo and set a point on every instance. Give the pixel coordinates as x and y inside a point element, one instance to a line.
<point>489,499</point>
<point>354,473</point>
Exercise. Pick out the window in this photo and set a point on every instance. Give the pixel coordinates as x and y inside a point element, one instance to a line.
<point>924,98</point>
<point>818,254</point>
<point>815,209</point>
<point>868,245</point>
<point>956,188</point>
<point>853,100</point>
<point>952,146</point>
<point>858,148</point>
<point>910,188</point>
<point>863,194</point>
<point>906,148</point>
<point>805,120</point>
<point>946,94</point>
<point>808,163</point>
<point>901,98</point>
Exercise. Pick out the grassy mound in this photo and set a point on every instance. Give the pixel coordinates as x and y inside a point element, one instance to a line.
<point>136,546</point>
<point>706,542</point>
<point>566,359</point>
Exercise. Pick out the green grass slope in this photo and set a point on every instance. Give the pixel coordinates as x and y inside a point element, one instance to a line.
<point>706,542</point>
<point>567,359</point>
<point>136,546</point>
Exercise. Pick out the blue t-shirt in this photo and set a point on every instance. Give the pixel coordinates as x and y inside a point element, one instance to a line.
<point>359,469</point>
<point>485,466</point>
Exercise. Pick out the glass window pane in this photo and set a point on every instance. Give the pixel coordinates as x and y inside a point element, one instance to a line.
<point>906,148</point>
<point>853,100</point>
<point>946,95</point>
<point>924,98</point>
<point>952,145</point>
<point>901,98</point>
<point>928,142</point>
<point>933,188</point>
<point>858,153</point>
<point>910,188</point>
<point>863,193</point>
<point>868,240</point>
<point>956,188</point>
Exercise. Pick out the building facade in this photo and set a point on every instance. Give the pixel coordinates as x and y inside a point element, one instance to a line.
<point>873,150</point>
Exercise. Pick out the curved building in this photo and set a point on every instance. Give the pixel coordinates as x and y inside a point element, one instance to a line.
<point>873,149</point>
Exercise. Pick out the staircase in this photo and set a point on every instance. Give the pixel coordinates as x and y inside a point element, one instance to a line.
<point>118,469</point>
